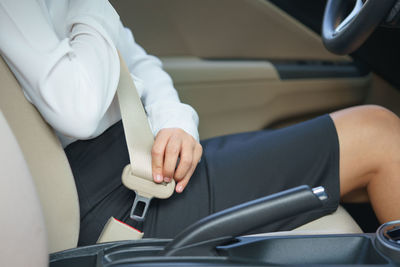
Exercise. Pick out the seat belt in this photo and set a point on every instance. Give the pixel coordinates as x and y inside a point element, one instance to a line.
<point>137,175</point>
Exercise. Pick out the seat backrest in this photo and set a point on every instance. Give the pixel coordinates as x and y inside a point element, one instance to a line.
<point>47,163</point>
<point>23,234</point>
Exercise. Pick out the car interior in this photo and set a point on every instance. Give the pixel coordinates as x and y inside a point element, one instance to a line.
<point>244,65</point>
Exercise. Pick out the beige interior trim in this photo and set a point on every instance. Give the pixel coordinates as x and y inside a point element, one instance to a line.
<point>252,94</point>
<point>47,163</point>
<point>194,70</point>
<point>23,234</point>
<point>339,222</point>
<point>220,29</point>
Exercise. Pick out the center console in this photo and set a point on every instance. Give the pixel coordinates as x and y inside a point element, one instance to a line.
<point>216,241</point>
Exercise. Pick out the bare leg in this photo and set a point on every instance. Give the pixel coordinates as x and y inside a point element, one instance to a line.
<point>369,138</point>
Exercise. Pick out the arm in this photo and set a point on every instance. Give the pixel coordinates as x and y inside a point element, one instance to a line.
<point>71,80</point>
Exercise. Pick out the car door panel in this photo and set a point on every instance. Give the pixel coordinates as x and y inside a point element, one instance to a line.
<point>236,96</point>
<point>220,29</point>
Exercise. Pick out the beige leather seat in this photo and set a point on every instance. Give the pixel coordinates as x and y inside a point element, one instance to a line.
<point>53,178</point>
<point>22,228</point>
<point>47,163</point>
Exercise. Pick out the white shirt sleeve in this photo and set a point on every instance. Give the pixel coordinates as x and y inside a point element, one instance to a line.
<point>158,94</point>
<point>71,81</point>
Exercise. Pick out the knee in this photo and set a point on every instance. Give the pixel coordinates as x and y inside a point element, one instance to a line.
<point>374,119</point>
<point>381,128</point>
<point>378,112</point>
<point>369,142</point>
<point>382,122</point>
<point>374,127</point>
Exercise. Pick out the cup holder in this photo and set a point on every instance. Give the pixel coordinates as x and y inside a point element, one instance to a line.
<point>388,240</point>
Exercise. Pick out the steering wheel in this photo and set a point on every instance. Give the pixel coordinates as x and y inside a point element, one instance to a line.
<point>343,35</point>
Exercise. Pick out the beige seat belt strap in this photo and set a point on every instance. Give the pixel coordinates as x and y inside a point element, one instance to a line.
<point>137,176</point>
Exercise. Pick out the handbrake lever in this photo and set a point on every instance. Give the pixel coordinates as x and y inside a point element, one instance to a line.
<point>241,219</point>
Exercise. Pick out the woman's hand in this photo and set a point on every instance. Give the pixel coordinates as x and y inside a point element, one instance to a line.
<point>169,144</point>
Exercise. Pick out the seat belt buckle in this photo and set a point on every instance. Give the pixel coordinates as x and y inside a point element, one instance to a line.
<point>146,190</point>
<point>139,208</point>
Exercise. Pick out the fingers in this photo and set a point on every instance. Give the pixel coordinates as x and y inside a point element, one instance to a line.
<point>172,152</point>
<point>186,160</point>
<point>197,152</point>
<point>169,145</point>
<point>157,155</point>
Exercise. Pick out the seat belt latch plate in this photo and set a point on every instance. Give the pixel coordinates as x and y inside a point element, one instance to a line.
<point>145,190</point>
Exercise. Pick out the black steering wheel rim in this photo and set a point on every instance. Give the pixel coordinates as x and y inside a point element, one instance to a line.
<point>344,34</point>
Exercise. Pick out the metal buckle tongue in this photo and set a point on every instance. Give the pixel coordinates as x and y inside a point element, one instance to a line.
<point>145,190</point>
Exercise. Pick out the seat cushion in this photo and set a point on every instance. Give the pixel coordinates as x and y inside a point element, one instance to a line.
<point>338,222</point>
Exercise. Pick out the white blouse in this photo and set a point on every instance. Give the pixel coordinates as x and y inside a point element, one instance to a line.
<point>64,54</point>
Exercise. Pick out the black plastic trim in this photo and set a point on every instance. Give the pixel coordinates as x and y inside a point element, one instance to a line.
<point>318,69</point>
<point>305,250</point>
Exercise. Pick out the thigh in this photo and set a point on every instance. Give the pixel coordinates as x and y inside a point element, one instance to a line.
<point>243,167</point>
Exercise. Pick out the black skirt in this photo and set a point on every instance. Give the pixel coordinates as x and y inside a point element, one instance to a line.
<point>234,169</point>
